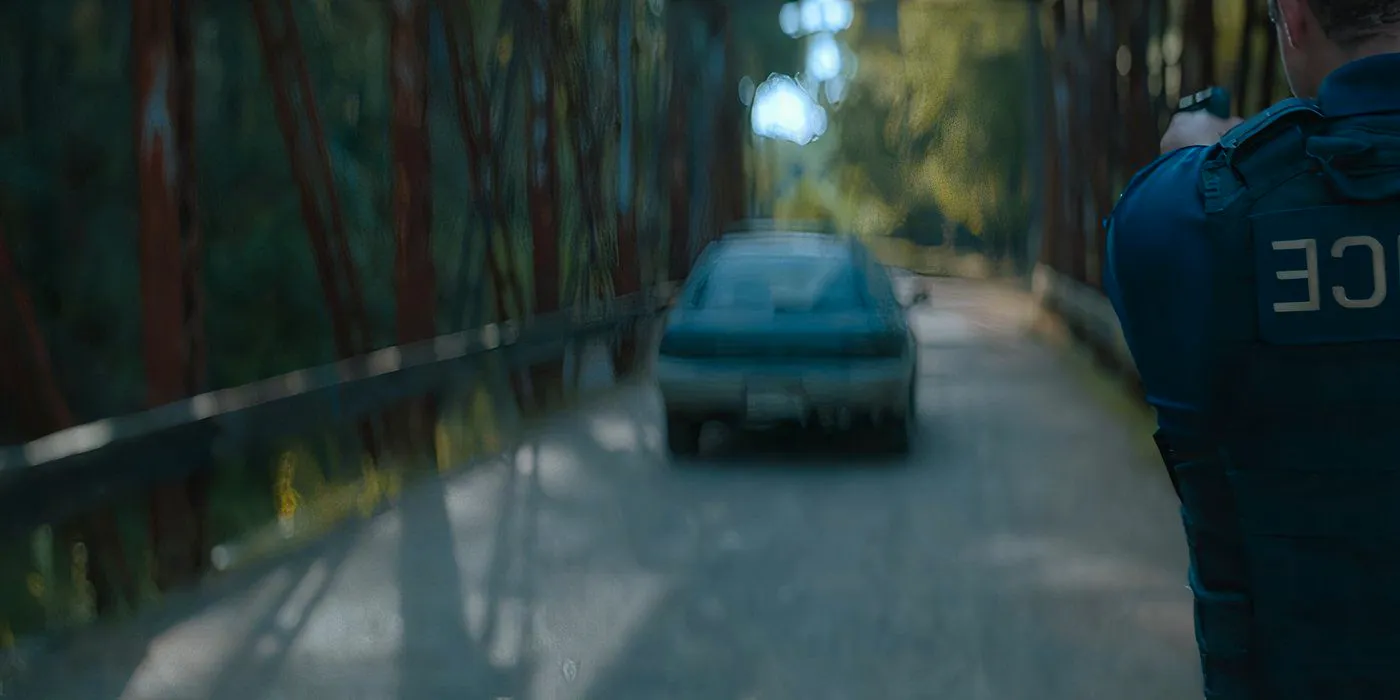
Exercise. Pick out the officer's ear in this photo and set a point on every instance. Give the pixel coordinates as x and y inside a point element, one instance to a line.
<point>1296,22</point>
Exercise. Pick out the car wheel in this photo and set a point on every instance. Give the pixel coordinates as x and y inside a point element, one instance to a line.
<point>895,436</point>
<point>682,435</point>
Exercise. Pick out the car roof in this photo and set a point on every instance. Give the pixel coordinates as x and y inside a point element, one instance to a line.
<point>747,226</point>
<point>785,244</point>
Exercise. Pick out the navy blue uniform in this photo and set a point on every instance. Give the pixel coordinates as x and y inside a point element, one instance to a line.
<point>1258,286</point>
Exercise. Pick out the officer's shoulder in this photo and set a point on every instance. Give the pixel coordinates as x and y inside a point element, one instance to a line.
<point>1262,151</point>
<point>1243,140</point>
<point>1176,170</point>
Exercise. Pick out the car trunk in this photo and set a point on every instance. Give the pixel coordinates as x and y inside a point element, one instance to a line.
<point>769,334</point>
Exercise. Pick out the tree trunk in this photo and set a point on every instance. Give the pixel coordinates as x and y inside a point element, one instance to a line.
<point>479,137</point>
<point>543,186</point>
<point>176,523</point>
<point>310,162</point>
<point>676,155</point>
<point>414,275</point>
<point>626,276</point>
<point>586,134</point>
<point>728,175</point>
<point>285,65</point>
<point>415,280</point>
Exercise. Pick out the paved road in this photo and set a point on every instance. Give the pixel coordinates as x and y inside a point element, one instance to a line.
<point>1027,549</point>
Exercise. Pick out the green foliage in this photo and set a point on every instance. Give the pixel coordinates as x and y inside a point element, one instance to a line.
<point>68,205</point>
<point>936,118</point>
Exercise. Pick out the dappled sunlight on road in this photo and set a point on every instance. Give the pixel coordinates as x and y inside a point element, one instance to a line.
<point>1024,551</point>
<point>1059,564</point>
<point>190,656</point>
<point>622,433</point>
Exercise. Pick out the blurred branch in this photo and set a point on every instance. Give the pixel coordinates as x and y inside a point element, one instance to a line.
<point>480,137</point>
<point>583,117</point>
<point>325,230</point>
<point>311,168</point>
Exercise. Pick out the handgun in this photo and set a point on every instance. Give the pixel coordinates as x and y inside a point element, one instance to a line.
<point>1215,100</point>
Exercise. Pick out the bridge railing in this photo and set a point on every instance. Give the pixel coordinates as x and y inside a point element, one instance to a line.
<point>248,439</point>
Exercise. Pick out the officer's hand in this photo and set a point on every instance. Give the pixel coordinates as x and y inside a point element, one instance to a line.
<point>1196,128</point>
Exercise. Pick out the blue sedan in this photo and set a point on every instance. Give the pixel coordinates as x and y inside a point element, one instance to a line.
<point>780,327</point>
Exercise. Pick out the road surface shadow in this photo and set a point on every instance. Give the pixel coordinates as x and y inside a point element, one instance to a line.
<point>440,656</point>
<point>106,660</point>
<point>252,669</point>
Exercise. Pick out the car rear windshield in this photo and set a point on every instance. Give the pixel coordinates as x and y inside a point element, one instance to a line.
<point>782,283</point>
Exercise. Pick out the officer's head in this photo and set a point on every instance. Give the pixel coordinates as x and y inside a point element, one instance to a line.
<point>1319,36</point>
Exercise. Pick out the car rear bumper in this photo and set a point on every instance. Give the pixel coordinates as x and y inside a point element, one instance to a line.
<point>828,391</point>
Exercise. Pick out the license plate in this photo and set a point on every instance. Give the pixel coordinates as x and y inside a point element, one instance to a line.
<point>766,405</point>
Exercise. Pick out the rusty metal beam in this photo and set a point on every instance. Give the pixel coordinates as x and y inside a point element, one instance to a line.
<point>415,278</point>
<point>542,154</point>
<point>309,157</point>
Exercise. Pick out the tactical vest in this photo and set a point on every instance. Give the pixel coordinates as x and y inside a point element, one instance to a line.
<point>1291,496</point>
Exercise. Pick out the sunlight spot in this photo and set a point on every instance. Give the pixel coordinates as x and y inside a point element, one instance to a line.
<point>386,360</point>
<point>746,90</point>
<point>812,15</point>
<point>506,646</point>
<point>450,346</point>
<point>297,603</point>
<point>220,557</point>
<point>491,336</point>
<point>76,440</point>
<point>525,459</point>
<point>823,56</point>
<point>475,609</point>
<point>295,382</point>
<point>184,660</point>
<point>204,405</point>
<point>790,19</point>
<point>835,89</point>
<point>615,433</point>
<point>782,109</point>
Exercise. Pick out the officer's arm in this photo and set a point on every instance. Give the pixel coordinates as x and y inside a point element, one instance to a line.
<point>1153,274</point>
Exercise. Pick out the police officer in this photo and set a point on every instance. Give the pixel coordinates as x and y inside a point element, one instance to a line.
<point>1255,267</point>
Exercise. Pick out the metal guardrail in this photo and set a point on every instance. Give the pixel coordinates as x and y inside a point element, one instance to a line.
<point>69,472</point>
